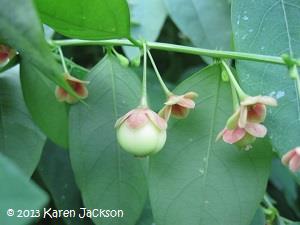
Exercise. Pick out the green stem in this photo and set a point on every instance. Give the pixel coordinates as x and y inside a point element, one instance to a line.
<point>70,63</point>
<point>144,102</point>
<point>163,85</point>
<point>242,95</point>
<point>235,99</point>
<point>63,60</point>
<point>177,48</point>
<point>135,42</point>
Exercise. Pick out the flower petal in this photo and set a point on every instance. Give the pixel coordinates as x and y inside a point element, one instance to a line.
<point>187,103</point>
<point>74,79</point>
<point>267,100</point>
<point>60,94</point>
<point>256,129</point>
<point>137,118</point>
<point>243,116</point>
<point>232,136</point>
<point>123,118</point>
<point>257,113</point>
<point>159,122</point>
<point>173,99</point>
<point>191,95</point>
<point>179,112</point>
<point>250,100</point>
<point>232,122</point>
<point>220,134</point>
<point>287,157</point>
<point>294,163</point>
<point>165,112</point>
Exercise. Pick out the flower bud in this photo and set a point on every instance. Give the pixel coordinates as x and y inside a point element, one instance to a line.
<point>136,61</point>
<point>122,59</point>
<point>78,86</point>
<point>141,132</point>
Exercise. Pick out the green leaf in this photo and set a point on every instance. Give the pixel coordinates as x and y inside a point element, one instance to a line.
<point>197,181</point>
<point>62,188</point>
<point>20,139</point>
<point>108,177</point>
<point>93,19</point>
<point>49,114</point>
<point>146,216</point>
<point>21,29</point>
<point>255,31</point>
<point>147,19</point>
<point>206,23</point>
<point>259,218</point>
<point>16,192</point>
<point>284,181</point>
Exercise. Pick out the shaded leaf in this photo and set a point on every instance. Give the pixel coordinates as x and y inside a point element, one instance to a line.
<point>62,188</point>
<point>49,114</point>
<point>108,177</point>
<point>20,139</point>
<point>94,19</point>
<point>147,19</point>
<point>197,181</point>
<point>206,23</point>
<point>271,27</point>
<point>21,29</point>
<point>16,192</point>
<point>259,218</point>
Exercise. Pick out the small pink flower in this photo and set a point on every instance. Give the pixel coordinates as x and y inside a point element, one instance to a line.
<point>292,159</point>
<point>253,109</point>
<point>6,53</point>
<point>243,137</point>
<point>77,85</point>
<point>243,127</point>
<point>178,105</point>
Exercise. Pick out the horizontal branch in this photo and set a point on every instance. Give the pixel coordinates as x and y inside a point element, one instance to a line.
<point>179,49</point>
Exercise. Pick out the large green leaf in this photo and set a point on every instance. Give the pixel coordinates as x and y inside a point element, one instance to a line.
<point>271,27</point>
<point>21,29</point>
<point>147,18</point>
<point>20,139</point>
<point>108,177</point>
<point>62,188</point>
<point>49,114</point>
<point>93,19</point>
<point>17,193</point>
<point>206,23</point>
<point>197,181</point>
<point>282,179</point>
<point>259,218</point>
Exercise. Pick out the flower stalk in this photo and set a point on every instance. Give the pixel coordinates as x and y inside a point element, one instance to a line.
<point>144,102</point>
<point>241,94</point>
<point>62,59</point>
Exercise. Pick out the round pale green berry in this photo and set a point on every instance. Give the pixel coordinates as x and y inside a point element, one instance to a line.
<point>141,141</point>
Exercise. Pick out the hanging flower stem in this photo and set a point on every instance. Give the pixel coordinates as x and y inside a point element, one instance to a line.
<point>144,102</point>
<point>241,94</point>
<point>63,60</point>
<point>162,83</point>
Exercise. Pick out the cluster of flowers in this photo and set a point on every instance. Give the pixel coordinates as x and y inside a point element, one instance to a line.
<point>142,131</point>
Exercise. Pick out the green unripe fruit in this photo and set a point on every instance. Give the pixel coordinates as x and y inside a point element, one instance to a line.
<point>141,132</point>
<point>142,141</point>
